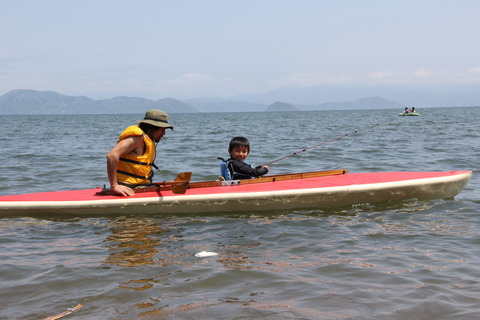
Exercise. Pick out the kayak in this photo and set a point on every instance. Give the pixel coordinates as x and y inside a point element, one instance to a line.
<point>409,114</point>
<point>309,190</point>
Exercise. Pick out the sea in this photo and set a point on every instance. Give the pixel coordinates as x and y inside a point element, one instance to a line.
<point>401,260</point>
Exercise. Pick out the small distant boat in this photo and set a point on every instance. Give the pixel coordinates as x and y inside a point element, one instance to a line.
<point>409,114</point>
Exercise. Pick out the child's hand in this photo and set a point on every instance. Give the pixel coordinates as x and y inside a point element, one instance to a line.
<point>259,167</point>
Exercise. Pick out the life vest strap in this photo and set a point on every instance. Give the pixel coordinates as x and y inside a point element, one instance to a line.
<point>137,162</point>
<point>131,174</point>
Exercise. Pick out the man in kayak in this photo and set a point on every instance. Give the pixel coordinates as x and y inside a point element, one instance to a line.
<point>236,168</point>
<point>130,162</point>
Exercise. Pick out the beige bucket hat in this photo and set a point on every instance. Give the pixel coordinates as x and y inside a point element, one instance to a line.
<point>157,118</point>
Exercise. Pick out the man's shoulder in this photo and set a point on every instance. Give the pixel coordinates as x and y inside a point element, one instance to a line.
<point>131,131</point>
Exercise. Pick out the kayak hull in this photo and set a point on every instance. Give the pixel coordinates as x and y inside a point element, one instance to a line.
<point>307,193</point>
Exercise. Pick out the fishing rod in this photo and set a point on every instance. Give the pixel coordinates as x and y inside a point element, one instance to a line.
<point>322,143</point>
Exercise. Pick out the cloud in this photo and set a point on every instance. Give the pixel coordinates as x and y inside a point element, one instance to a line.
<point>193,79</point>
<point>474,70</point>
<point>381,74</point>
<point>422,73</point>
<point>312,79</point>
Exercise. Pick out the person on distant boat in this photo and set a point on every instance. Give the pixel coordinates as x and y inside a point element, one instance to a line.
<point>235,168</point>
<point>130,162</point>
<point>406,110</point>
<point>413,110</point>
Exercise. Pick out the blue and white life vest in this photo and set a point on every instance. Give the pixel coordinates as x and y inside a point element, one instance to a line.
<point>227,171</point>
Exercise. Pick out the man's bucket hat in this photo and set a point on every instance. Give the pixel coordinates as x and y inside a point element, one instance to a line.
<point>157,118</point>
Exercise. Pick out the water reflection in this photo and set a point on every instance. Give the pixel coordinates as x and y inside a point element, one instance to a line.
<point>260,255</point>
<point>133,242</point>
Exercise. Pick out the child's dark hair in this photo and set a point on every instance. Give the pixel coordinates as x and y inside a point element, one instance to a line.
<point>239,142</point>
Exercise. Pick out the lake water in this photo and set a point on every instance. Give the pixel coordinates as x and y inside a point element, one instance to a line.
<point>408,260</point>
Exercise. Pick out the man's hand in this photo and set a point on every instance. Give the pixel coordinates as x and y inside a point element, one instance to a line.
<point>123,190</point>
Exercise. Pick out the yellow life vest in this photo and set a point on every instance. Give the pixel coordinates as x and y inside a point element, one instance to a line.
<point>136,169</point>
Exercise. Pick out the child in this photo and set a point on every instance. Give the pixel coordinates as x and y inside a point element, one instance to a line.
<point>236,168</point>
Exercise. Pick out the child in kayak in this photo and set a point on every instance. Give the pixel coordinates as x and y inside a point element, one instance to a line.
<point>235,168</point>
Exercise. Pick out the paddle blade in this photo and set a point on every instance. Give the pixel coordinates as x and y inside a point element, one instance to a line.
<point>183,176</point>
<point>181,183</point>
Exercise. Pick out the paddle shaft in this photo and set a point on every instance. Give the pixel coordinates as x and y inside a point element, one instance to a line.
<point>178,186</point>
<point>322,143</point>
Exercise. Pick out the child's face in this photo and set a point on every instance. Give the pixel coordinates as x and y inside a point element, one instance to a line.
<point>239,153</point>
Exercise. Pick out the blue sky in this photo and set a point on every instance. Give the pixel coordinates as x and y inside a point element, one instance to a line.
<point>219,48</point>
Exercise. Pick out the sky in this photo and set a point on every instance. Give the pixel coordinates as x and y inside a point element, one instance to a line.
<point>220,48</point>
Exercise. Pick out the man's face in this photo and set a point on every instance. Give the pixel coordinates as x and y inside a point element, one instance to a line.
<point>158,134</point>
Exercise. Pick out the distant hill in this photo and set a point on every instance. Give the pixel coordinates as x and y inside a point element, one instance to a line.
<point>312,98</point>
<point>441,95</point>
<point>50,102</point>
<point>366,103</point>
<point>281,106</point>
<point>224,105</point>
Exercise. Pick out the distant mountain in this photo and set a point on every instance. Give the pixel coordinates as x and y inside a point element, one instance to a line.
<point>225,105</point>
<point>43,102</point>
<point>50,102</point>
<point>312,98</point>
<point>366,103</point>
<point>446,95</point>
<point>281,106</point>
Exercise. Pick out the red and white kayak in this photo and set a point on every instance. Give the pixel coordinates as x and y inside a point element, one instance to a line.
<point>308,190</point>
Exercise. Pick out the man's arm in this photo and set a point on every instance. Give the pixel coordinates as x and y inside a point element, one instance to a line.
<point>122,148</point>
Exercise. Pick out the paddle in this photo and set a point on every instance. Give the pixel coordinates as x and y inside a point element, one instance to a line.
<point>178,186</point>
<point>181,182</point>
